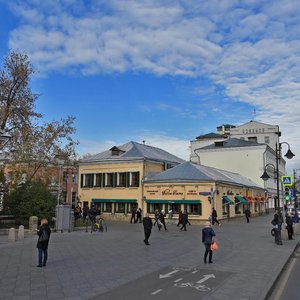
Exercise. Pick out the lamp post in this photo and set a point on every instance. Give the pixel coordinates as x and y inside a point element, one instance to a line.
<point>265,176</point>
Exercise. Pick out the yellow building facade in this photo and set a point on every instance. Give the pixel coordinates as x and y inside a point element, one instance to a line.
<point>139,176</point>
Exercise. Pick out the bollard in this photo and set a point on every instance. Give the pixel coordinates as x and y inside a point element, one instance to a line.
<point>33,223</point>
<point>12,235</point>
<point>21,232</point>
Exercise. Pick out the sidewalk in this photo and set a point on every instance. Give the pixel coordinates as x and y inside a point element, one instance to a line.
<point>84,266</point>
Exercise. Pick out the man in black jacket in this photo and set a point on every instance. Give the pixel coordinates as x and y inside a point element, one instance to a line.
<point>147,223</point>
<point>277,222</point>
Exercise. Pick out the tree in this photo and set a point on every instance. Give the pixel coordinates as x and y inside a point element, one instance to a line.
<point>30,199</point>
<point>34,144</point>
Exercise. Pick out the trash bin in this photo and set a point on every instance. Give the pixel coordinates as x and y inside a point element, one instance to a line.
<point>63,216</point>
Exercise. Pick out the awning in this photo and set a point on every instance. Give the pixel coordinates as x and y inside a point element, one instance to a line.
<point>114,200</point>
<point>160,201</point>
<point>241,199</point>
<point>228,200</point>
<point>259,199</point>
<point>250,199</point>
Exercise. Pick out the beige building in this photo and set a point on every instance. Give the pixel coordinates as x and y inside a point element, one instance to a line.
<point>137,175</point>
<point>112,180</point>
<point>197,189</point>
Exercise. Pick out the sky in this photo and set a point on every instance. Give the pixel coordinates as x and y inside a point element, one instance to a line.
<point>160,71</point>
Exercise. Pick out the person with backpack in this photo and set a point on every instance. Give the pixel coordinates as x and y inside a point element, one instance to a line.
<point>43,232</point>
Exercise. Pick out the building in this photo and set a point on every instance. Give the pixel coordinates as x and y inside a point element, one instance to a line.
<point>257,132</point>
<point>245,149</point>
<point>112,180</point>
<point>197,189</point>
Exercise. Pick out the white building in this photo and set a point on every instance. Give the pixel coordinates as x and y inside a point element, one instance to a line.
<point>244,149</point>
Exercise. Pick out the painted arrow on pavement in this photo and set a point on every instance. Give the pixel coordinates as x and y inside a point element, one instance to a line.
<point>206,277</point>
<point>168,274</point>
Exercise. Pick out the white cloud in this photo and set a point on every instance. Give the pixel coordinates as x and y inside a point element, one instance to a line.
<point>251,47</point>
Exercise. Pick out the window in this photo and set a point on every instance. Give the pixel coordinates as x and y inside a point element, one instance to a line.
<point>267,139</point>
<point>120,208</point>
<point>152,208</point>
<point>195,209</point>
<point>98,178</point>
<point>107,207</point>
<point>74,178</point>
<point>88,180</point>
<point>252,139</point>
<point>109,179</point>
<point>175,208</point>
<point>65,176</point>
<point>135,179</point>
<point>121,179</point>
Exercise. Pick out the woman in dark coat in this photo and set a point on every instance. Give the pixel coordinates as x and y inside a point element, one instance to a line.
<point>147,223</point>
<point>208,235</point>
<point>184,221</point>
<point>289,226</point>
<point>43,232</point>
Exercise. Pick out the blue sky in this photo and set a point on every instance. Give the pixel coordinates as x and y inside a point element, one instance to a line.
<point>160,71</point>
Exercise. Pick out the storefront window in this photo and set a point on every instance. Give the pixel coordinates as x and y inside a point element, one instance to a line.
<point>120,208</point>
<point>107,207</point>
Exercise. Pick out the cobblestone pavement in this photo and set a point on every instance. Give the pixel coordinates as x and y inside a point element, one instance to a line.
<point>83,266</point>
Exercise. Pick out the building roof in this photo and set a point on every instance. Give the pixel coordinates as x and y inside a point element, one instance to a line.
<point>210,135</point>
<point>231,143</point>
<point>191,172</point>
<point>133,151</point>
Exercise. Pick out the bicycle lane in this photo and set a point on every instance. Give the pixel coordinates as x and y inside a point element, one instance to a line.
<point>171,283</point>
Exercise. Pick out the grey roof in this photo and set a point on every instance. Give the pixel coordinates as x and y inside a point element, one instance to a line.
<point>233,142</point>
<point>134,151</point>
<point>188,171</point>
<point>210,135</point>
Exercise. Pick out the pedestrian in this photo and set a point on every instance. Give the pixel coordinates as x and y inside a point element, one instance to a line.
<point>277,222</point>
<point>133,213</point>
<point>156,214</point>
<point>208,237</point>
<point>247,214</point>
<point>179,218</point>
<point>187,217</point>
<point>138,216</point>
<point>170,216</point>
<point>147,223</point>
<point>43,232</point>
<point>295,216</point>
<point>289,226</point>
<point>184,221</point>
<point>161,218</point>
<point>214,217</point>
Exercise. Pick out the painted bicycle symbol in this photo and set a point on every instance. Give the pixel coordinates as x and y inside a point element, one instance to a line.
<point>197,286</point>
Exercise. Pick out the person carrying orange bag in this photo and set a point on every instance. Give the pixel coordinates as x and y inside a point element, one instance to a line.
<point>208,238</point>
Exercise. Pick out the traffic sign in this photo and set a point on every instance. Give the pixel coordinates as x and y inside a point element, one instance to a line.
<point>287,180</point>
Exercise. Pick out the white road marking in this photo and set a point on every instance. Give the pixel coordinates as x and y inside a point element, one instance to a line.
<point>156,292</point>
<point>177,280</point>
<point>168,274</point>
<point>206,277</point>
<point>195,272</point>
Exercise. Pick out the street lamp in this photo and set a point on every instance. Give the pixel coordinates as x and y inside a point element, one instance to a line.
<point>289,155</point>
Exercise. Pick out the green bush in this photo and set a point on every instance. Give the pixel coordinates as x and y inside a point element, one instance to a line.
<point>30,199</point>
